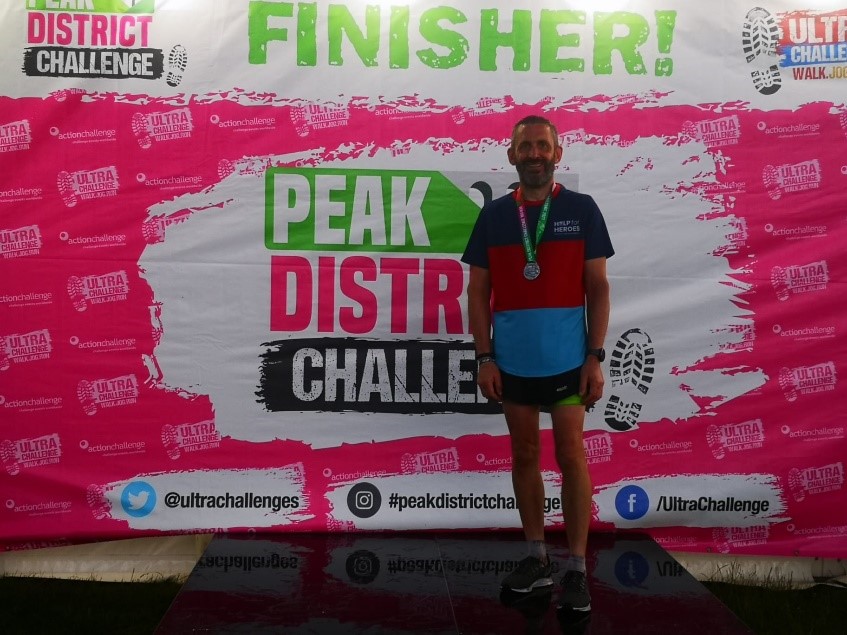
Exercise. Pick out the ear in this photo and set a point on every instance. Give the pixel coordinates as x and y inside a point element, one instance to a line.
<point>511,154</point>
<point>557,154</point>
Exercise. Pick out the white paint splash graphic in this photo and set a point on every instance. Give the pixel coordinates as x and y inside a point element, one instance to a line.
<point>205,499</point>
<point>211,278</point>
<point>692,500</point>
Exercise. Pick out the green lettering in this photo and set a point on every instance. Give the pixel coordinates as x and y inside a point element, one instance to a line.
<point>341,21</point>
<point>432,32</point>
<point>335,209</point>
<point>307,34</point>
<point>519,39</point>
<point>665,23</point>
<point>605,41</point>
<point>552,41</point>
<point>258,32</point>
<point>398,38</point>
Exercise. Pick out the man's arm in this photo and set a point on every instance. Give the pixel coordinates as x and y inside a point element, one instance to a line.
<point>479,315</point>
<point>597,307</point>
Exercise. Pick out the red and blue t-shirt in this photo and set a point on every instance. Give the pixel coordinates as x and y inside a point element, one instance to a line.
<point>539,325</point>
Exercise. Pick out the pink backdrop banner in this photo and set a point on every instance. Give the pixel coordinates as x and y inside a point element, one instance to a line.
<point>231,296</point>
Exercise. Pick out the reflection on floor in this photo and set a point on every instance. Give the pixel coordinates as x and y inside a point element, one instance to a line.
<point>432,583</point>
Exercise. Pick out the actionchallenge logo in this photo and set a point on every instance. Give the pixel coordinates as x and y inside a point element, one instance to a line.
<point>97,38</point>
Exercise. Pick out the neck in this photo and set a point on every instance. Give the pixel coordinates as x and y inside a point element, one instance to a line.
<point>536,193</point>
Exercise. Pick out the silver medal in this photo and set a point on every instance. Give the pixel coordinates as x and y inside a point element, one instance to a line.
<point>531,271</point>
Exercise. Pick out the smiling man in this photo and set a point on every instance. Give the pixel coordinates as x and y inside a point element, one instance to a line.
<point>538,301</point>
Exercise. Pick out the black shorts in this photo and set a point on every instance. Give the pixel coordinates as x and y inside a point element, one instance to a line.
<point>542,391</point>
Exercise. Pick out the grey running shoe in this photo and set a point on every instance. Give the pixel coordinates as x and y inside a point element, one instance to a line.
<point>530,574</point>
<point>575,594</point>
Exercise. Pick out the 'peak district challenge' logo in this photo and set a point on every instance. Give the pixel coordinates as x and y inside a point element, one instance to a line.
<point>97,38</point>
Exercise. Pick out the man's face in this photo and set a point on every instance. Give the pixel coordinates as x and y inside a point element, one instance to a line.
<point>534,153</point>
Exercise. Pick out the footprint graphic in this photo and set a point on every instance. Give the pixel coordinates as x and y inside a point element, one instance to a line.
<point>5,360</point>
<point>713,439</point>
<point>779,281</point>
<point>298,118</point>
<point>95,495</point>
<point>66,188</point>
<point>170,442</point>
<point>141,131</point>
<point>786,382</point>
<point>795,485</point>
<point>153,230</point>
<point>633,360</point>
<point>9,457</point>
<point>770,177</point>
<point>759,40</point>
<point>620,415</point>
<point>177,62</point>
<point>85,394</point>
<point>76,291</point>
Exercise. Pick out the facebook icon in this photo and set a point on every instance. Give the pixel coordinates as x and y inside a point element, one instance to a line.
<point>632,502</point>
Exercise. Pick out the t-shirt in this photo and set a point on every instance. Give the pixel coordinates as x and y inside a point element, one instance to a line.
<point>539,325</point>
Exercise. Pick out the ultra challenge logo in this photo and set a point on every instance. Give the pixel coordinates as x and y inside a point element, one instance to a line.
<point>96,38</point>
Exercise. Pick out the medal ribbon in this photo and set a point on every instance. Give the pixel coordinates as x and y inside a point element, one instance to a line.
<point>528,248</point>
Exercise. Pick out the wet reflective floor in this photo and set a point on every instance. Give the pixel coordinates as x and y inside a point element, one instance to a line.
<point>433,583</point>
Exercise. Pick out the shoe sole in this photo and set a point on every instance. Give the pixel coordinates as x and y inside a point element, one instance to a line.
<point>632,362</point>
<point>759,41</point>
<point>177,62</point>
<point>568,607</point>
<point>541,582</point>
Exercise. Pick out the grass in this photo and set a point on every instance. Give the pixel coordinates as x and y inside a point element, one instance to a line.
<point>818,610</point>
<point>38,606</point>
<point>775,606</point>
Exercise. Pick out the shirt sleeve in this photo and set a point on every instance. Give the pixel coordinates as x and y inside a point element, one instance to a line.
<point>476,251</point>
<point>598,243</point>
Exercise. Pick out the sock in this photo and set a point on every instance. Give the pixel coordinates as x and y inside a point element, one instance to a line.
<point>575,563</point>
<point>537,549</point>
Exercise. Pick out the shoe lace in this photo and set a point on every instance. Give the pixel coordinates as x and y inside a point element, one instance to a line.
<point>574,580</point>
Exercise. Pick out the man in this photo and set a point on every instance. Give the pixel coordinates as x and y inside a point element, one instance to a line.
<point>538,302</point>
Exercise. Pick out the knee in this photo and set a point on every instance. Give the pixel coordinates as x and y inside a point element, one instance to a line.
<point>524,455</point>
<point>570,457</point>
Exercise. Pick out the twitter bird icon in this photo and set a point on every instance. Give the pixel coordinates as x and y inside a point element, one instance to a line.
<point>138,499</point>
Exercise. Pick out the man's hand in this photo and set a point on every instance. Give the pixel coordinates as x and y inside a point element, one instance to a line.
<point>489,381</point>
<point>591,381</point>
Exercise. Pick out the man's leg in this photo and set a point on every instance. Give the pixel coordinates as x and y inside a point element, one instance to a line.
<point>526,475</point>
<point>533,571</point>
<point>568,424</point>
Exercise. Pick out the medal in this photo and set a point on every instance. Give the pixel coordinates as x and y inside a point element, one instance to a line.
<point>531,271</point>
